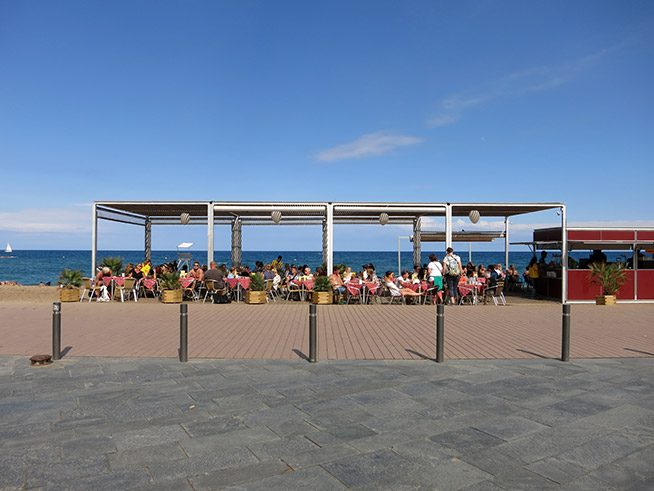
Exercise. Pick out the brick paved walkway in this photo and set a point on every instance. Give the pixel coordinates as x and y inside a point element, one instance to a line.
<point>278,331</point>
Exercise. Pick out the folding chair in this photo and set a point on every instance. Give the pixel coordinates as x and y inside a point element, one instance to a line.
<point>353,291</point>
<point>88,286</point>
<point>191,290</point>
<point>210,287</point>
<point>128,288</point>
<point>498,294</point>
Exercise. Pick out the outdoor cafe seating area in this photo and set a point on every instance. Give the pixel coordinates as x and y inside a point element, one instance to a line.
<point>357,291</point>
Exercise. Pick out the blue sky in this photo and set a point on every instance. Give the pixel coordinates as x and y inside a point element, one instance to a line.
<point>340,101</point>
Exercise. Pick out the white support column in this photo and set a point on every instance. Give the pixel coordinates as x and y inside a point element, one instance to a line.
<point>210,232</point>
<point>506,243</point>
<point>329,209</point>
<point>94,240</point>
<point>448,225</point>
<point>564,256</point>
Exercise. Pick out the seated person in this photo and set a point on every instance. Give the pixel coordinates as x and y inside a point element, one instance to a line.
<point>215,274</point>
<point>337,283</point>
<point>146,268</point>
<point>348,275</point>
<point>129,270</point>
<point>389,281</point>
<point>138,274</point>
<point>292,274</point>
<point>196,273</point>
<point>499,271</point>
<point>267,272</point>
<point>405,279</point>
<point>103,273</point>
<point>306,274</point>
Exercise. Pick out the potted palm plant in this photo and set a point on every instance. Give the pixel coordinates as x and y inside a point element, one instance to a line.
<point>323,292</point>
<point>70,281</point>
<point>115,264</point>
<point>610,277</point>
<point>256,293</point>
<point>172,288</point>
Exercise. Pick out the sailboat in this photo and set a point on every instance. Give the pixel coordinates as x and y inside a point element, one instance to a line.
<point>8,250</point>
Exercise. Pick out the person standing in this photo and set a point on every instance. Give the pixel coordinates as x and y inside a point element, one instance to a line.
<point>435,269</point>
<point>533,275</point>
<point>452,270</point>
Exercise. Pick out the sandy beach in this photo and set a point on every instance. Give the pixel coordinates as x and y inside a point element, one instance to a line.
<point>32,294</point>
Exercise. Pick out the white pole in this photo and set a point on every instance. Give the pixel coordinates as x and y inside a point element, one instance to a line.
<point>506,243</point>
<point>94,240</point>
<point>469,252</point>
<point>330,237</point>
<point>448,225</point>
<point>210,228</point>
<point>399,260</point>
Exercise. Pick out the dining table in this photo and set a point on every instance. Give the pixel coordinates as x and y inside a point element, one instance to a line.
<point>238,286</point>
<point>305,287</point>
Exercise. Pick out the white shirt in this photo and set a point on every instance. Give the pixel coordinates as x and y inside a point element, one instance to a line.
<point>435,268</point>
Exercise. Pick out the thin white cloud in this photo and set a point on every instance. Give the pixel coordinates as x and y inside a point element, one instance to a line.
<point>442,120</point>
<point>46,221</point>
<point>533,79</point>
<point>368,145</point>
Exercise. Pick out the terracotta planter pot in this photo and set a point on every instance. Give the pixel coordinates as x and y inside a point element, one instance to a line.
<point>172,296</point>
<point>605,300</point>
<point>255,297</point>
<point>69,295</point>
<point>322,298</point>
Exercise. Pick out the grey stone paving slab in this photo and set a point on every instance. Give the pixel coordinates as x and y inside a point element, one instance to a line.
<point>245,474</point>
<point>451,475</point>
<point>81,447</point>
<point>523,479</point>
<point>621,416</point>
<point>62,472</point>
<point>510,427</point>
<point>194,466</point>
<point>119,480</point>
<point>466,440</point>
<point>149,436</point>
<point>383,467</point>
<point>491,461</point>
<point>312,478</point>
<point>601,451</point>
<point>282,448</point>
<point>557,470</point>
<point>320,455</point>
<point>217,443</point>
<point>341,434</point>
<point>144,456</point>
<point>212,426</point>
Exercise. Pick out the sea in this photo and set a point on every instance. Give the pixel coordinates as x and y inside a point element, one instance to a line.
<point>31,267</point>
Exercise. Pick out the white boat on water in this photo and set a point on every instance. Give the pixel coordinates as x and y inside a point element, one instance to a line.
<point>8,248</point>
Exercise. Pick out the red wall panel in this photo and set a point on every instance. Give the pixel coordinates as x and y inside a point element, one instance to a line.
<point>617,235</point>
<point>646,284</point>
<point>584,235</point>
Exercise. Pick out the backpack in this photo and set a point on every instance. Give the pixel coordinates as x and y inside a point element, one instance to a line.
<point>452,266</point>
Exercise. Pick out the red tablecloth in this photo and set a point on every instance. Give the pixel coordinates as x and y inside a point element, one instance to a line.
<point>119,280</point>
<point>186,282</point>
<point>244,282</point>
<point>149,283</point>
<point>232,282</point>
<point>372,287</point>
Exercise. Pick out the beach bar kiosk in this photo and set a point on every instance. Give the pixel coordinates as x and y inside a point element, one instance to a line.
<point>636,243</point>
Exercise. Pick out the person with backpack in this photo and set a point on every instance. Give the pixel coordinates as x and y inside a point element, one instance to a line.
<point>452,271</point>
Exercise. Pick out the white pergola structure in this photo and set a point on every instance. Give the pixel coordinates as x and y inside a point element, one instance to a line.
<point>237,214</point>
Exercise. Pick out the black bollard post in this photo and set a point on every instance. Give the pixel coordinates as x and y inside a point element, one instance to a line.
<point>440,332</point>
<point>565,345</point>
<point>312,333</point>
<point>56,331</point>
<point>183,332</point>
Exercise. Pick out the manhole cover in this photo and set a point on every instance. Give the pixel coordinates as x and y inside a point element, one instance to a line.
<point>41,359</point>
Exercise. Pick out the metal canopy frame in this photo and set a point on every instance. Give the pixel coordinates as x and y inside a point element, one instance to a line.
<point>237,214</point>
